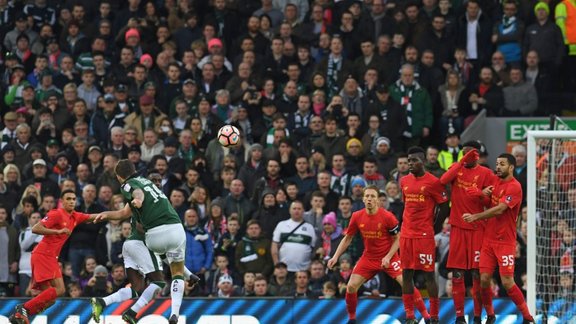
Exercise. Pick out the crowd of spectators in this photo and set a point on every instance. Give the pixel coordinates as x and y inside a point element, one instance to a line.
<point>327,95</point>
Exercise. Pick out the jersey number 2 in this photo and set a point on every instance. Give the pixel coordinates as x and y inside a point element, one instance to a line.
<point>155,193</point>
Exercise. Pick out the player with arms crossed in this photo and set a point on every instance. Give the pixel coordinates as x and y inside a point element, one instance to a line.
<point>422,192</point>
<point>56,227</point>
<point>139,262</point>
<point>379,229</point>
<point>164,233</point>
<point>499,244</point>
<point>468,179</point>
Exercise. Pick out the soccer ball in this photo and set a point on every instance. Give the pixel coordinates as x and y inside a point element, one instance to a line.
<point>228,135</point>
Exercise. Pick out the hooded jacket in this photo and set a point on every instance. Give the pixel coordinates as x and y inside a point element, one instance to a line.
<point>269,217</point>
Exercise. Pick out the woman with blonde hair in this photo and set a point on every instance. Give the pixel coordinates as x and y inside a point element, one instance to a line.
<point>12,177</point>
<point>317,160</point>
<point>394,196</point>
<point>30,190</point>
<point>200,200</point>
<point>453,102</point>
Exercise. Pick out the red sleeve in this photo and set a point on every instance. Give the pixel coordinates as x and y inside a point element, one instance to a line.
<point>51,219</point>
<point>438,192</point>
<point>512,196</point>
<point>451,174</point>
<point>401,184</point>
<point>81,217</point>
<point>391,220</point>
<point>352,228</point>
<point>490,179</point>
<point>392,224</point>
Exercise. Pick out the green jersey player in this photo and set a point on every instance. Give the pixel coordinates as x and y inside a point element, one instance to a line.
<point>164,233</point>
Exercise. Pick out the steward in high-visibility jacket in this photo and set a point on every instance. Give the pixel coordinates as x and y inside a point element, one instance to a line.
<point>453,151</point>
<point>565,14</point>
<point>447,157</point>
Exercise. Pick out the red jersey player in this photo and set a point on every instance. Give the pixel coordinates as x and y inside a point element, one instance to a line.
<point>379,229</point>
<point>421,192</point>
<point>499,244</point>
<point>467,179</point>
<point>56,226</point>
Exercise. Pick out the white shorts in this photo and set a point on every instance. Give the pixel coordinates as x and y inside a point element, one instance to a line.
<point>168,239</point>
<point>138,257</point>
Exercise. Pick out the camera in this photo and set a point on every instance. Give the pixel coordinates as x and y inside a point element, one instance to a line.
<point>100,283</point>
<point>337,109</point>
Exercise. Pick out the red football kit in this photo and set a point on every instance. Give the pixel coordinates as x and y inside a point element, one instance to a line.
<point>44,258</point>
<point>417,245</point>
<point>466,238</point>
<point>499,245</point>
<point>377,234</point>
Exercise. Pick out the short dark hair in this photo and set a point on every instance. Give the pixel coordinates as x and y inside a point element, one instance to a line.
<point>260,277</point>
<point>511,159</point>
<point>416,150</point>
<point>30,200</point>
<point>318,194</point>
<point>124,168</point>
<point>67,192</point>
<point>473,144</point>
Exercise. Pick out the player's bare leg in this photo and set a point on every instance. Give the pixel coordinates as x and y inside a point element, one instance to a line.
<point>477,297</point>
<point>176,290</point>
<point>517,297</point>
<point>136,285</point>
<point>432,287</point>
<point>191,277</point>
<point>418,300</point>
<point>355,282</point>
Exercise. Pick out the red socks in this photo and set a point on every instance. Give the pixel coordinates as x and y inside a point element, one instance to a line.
<point>351,303</point>
<point>419,303</point>
<point>434,307</point>
<point>516,295</point>
<point>487,300</point>
<point>458,294</point>
<point>408,300</point>
<point>477,296</point>
<point>41,302</point>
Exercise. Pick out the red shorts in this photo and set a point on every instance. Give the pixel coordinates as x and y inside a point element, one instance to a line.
<point>418,253</point>
<point>465,246</point>
<point>44,268</point>
<point>497,254</point>
<point>368,268</point>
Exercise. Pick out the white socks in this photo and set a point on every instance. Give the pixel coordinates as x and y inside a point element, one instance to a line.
<point>119,296</point>
<point>146,297</point>
<point>187,273</point>
<point>177,293</point>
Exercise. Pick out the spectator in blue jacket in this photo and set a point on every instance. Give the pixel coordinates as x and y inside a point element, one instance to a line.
<point>199,249</point>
